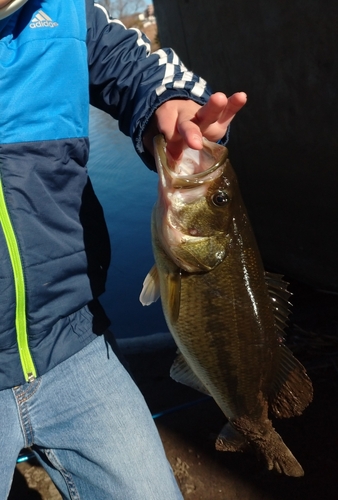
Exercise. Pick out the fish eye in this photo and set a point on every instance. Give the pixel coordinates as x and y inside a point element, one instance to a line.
<point>220,198</point>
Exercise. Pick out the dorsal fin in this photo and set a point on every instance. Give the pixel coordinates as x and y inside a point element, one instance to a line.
<point>291,391</point>
<point>277,283</point>
<point>279,295</point>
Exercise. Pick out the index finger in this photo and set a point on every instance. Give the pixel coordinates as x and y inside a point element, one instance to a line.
<point>212,110</point>
<point>220,109</point>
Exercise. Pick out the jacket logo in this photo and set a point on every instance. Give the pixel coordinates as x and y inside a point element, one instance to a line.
<point>41,20</point>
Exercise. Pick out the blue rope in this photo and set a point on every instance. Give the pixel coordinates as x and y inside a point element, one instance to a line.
<point>24,456</point>
<point>180,407</point>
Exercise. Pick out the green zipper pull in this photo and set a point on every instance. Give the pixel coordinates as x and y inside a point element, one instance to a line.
<point>20,292</point>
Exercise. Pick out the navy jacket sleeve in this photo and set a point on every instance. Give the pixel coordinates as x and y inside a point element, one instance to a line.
<point>127,80</point>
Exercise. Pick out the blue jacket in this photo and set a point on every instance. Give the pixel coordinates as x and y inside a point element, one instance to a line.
<point>55,59</point>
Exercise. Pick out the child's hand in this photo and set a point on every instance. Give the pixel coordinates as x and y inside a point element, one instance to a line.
<point>184,122</point>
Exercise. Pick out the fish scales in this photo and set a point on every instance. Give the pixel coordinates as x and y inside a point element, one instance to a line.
<point>218,306</point>
<point>225,349</point>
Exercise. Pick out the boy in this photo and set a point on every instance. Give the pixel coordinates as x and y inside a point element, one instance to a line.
<point>63,391</point>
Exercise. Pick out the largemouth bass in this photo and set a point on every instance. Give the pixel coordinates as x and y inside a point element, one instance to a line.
<point>227,316</point>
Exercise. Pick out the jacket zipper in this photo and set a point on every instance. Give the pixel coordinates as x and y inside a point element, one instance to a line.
<point>20,292</point>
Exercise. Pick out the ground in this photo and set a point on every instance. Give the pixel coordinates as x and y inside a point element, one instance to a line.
<point>190,421</point>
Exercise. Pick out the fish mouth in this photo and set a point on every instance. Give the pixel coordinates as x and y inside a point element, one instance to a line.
<point>181,185</point>
<point>189,172</point>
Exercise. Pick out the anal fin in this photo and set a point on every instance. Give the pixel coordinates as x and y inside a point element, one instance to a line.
<point>181,372</point>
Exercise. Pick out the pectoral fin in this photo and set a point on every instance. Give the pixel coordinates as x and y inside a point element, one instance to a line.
<point>151,287</point>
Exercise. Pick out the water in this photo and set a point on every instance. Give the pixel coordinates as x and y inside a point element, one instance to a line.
<point>127,191</point>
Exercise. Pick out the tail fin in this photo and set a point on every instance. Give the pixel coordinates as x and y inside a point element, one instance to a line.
<point>243,434</point>
<point>278,457</point>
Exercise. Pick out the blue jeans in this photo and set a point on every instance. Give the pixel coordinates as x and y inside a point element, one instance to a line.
<point>90,428</point>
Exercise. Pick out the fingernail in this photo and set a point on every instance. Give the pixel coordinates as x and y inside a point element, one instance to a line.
<point>198,139</point>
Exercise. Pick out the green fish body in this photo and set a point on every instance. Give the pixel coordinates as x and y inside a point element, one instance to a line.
<point>224,312</point>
